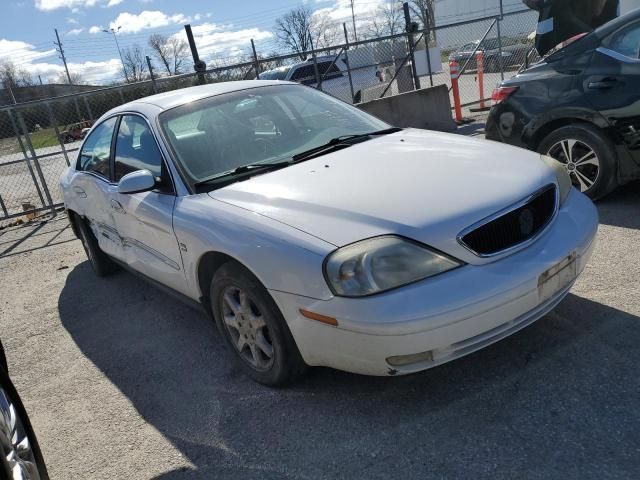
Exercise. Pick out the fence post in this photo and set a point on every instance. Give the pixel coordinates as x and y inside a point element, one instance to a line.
<point>52,118</point>
<point>153,78</point>
<point>480,68</point>
<point>26,157</point>
<point>501,61</point>
<point>315,64</point>
<point>88,107</point>
<point>23,126</point>
<point>346,57</point>
<point>455,73</point>
<point>427,37</point>
<point>198,65</point>
<point>256,62</point>
<point>410,29</point>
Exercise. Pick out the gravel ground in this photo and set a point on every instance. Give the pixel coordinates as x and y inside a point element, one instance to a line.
<point>122,382</point>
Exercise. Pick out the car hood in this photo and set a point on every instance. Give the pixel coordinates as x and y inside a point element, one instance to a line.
<point>427,186</point>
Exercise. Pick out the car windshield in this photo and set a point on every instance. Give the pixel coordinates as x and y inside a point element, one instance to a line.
<point>260,125</point>
<point>275,74</point>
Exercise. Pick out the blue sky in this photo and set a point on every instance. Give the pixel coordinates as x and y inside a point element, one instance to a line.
<point>222,29</point>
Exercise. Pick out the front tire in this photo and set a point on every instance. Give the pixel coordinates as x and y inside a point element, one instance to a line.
<point>253,327</point>
<point>588,155</point>
<point>100,262</point>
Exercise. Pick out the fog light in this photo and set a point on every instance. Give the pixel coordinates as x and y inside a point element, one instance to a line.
<point>404,360</point>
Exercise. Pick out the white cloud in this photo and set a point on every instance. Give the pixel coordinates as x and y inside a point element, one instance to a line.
<point>132,23</point>
<point>75,31</point>
<point>48,5</point>
<point>21,52</point>
<point>215,41</point>
<point>73,5</point>
<point>95,29</point>
<point>72,21</point>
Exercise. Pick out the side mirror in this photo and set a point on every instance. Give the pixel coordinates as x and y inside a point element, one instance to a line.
<point>138,181</point>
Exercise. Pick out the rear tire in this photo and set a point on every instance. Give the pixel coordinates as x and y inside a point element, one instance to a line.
<point>589,156</point>
<point>100,262</point>
<point>253,327</point>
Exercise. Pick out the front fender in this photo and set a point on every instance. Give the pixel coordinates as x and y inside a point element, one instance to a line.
<point>281,257</point>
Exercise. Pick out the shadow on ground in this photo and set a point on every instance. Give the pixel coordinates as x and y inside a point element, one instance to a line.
<point>614,209</point>
<point>561,398</point>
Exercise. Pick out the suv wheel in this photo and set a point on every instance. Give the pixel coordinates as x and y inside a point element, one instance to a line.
<point>587,154</point>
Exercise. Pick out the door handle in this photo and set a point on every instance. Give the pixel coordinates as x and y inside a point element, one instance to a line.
<point>80,192</point>
<point>117,206</point>
<point>603,84</point>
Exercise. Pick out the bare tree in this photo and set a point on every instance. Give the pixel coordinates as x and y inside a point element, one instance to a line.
<point>12,76</point>
<point>424,10</point>
<point>135,63</point>
<point>388,20</point>
<point>172,52</point>
<point>302,30</point>
<point>293,29</point>
<point>76,78</point>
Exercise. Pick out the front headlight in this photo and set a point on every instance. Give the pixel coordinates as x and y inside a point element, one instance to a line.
<point>564,180</point>
<point>382,263</point>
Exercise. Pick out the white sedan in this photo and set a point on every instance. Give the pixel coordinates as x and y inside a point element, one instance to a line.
<point>316,234</point>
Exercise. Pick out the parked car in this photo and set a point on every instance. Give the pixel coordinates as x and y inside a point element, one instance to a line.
<point>75,132</point>
<point>317,234</point>
<point>581,106</point>
<point>21,457</point>
<point>514,54</point>
<point>335,78</point>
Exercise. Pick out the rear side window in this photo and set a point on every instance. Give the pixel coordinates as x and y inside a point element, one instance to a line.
<point>95,153</point>
<point>627,42</point>
<point>136,148</point>
<point>305,74</point>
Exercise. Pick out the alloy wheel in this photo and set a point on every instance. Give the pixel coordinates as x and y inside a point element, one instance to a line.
<point>580,160</point>
<point>247,328</point>
<point>14,442</point>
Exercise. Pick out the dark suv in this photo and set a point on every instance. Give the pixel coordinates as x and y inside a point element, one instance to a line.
<point>581,106</point>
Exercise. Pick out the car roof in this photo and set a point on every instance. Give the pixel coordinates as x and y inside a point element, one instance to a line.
<point>174,98</point>
<point>323,58</point>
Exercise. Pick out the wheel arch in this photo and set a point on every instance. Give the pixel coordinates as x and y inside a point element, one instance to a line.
<point>558,120</point>
<point>209,263</point>
<point>73,219</point>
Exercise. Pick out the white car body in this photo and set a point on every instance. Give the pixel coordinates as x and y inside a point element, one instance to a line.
<point>282,225</point>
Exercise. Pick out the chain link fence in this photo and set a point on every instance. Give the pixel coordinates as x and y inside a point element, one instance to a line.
<point>39,139</point>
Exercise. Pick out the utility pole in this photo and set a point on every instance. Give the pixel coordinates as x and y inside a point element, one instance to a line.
<point>114,31</point>
<point>58,43</point>
<point>353,20</point>
<point>198,65</point>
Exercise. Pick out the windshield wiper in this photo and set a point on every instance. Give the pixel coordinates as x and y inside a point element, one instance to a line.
<point>338,143</point>
<point>251,168</point>
<point>246,171</point>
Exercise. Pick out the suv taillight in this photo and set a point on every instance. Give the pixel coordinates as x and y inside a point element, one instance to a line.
<point>500,94</point>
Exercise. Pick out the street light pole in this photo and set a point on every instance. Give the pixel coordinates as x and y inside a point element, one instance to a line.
<point>115,37</point>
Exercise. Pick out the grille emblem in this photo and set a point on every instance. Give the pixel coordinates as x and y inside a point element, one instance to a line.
<point>526,222</point>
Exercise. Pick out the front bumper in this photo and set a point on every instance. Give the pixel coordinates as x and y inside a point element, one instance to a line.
<point>450,315</point>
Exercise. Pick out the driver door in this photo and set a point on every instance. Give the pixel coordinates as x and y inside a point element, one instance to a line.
<point>145,220</point>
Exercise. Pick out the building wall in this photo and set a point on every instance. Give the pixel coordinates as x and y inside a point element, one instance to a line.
<point>628,5</point>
